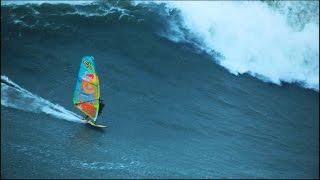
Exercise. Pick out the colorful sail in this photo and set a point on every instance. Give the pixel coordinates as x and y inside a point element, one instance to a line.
<point>87,92</point>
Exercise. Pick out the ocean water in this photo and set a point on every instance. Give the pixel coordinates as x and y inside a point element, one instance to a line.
<point>192,89</point>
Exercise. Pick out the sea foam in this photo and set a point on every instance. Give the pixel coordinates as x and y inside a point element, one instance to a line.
<point>255,38</point>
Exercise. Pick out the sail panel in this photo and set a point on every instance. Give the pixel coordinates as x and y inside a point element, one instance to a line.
<point>87,92</point>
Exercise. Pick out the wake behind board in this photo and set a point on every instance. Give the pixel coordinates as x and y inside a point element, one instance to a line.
<point>96,125</point>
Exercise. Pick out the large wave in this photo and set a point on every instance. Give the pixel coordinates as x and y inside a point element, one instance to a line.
<point>273,41</point>
<point>268,41</point>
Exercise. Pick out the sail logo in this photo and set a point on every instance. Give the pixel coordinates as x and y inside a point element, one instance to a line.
<point>87,64</point>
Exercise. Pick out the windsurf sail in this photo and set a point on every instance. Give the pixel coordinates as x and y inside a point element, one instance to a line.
<point>87,91</point>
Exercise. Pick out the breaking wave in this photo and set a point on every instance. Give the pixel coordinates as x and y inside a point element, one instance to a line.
<point>273,41</point>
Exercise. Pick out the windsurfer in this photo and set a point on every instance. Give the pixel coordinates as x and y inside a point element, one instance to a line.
<point>87,118</point>
<point>101,105</point>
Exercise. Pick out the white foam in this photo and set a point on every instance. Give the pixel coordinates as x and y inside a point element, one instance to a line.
<point>254,38</point>
<point>17,97</point>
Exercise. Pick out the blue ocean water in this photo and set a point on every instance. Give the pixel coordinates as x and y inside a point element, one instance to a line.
<point>178,103</point>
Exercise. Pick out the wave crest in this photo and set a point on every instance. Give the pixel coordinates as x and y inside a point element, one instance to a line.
<point>254,38</point>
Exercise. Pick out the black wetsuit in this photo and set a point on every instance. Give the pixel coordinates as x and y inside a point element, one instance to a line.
<point>101,105</point>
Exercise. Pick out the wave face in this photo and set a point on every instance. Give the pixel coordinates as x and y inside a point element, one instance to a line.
<point>14,96</point>
<point>274,41</point>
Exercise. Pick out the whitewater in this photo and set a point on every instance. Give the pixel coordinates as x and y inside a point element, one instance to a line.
<point>269,42</point>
